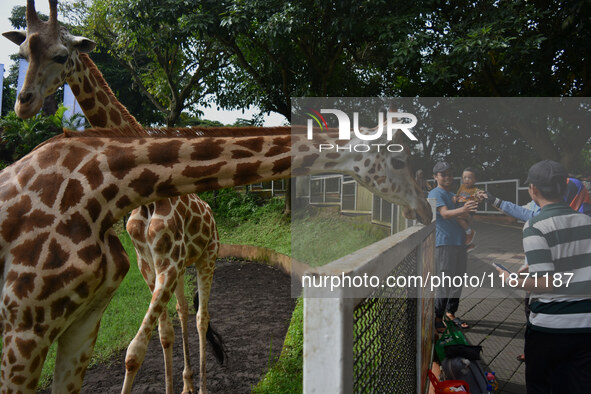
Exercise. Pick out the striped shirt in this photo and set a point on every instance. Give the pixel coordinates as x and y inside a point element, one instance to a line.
<point>557,243</point>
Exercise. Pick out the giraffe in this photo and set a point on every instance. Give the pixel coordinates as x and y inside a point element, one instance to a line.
<point>60,257</point>
<point>57,57</point>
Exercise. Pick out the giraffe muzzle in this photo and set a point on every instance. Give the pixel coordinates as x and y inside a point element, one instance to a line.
<point>25,97</point>
<point>28,104</point>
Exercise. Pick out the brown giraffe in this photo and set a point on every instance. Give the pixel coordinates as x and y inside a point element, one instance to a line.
<point>62,261</point>
<point>186,220</point>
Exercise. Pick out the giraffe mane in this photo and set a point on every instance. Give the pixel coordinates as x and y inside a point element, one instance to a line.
<point>183,132</point>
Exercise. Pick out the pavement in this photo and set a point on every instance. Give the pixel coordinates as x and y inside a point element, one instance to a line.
<point>496,316</point>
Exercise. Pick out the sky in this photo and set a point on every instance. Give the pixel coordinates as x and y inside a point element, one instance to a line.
<point>7,48</point>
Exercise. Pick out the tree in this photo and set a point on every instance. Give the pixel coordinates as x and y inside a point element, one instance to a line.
<point>295,49</point>
<point>499,48</point>
<point>160,46</point>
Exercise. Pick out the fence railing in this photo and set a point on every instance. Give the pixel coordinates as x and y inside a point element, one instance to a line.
<point>374,338</point>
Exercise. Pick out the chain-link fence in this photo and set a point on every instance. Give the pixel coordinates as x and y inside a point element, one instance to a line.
<point>384,338</point>
<point>371,339</point>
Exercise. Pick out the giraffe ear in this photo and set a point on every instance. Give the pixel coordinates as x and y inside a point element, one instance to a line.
<point>83,44</point>
<point>18,37</point>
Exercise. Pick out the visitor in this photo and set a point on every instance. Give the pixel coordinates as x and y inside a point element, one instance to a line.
<point>557,241</point>
<point>450,245</point>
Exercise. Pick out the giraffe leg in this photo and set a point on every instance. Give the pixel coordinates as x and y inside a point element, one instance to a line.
<point>74,350</point>
<point>136,351</point>
<point>182,308</point>
<point>204,281</point>
<point>166,332</point>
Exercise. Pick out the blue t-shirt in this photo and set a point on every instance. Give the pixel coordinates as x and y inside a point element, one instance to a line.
<point>448,232</point>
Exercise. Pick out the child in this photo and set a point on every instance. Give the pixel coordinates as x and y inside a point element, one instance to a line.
<point>467,192</point>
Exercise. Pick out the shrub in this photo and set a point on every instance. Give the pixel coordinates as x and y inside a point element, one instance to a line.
<point>20,136</point>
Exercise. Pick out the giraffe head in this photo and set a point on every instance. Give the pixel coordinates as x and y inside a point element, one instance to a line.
<point>50,51</point>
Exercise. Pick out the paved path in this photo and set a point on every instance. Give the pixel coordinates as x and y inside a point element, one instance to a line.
<point>497,316</point>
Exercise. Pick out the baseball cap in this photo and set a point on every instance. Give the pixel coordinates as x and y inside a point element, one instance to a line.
<point>547,174</point>
<point>441,166</point>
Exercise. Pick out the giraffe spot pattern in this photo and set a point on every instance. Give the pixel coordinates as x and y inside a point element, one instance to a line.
<point>247,173</point>
<point>90,253</point>
<point>120,161</point>
<point>110,192</point>
<point>47,187</point>
<point>56,282</point>
<point>102,98</point>
<point>56,257</point>
<point>166,189</point>
<point>277,150</point>
<point>28,252</point>
<point>99,119</point>
<point>93,207</point>
<point>281,165</point>
<point>207,150</point>
<point>114,116</point>
<point>241,154</point>
<point>254,144</point>
<point>72,158</point>
<point>26,322</point>
<point>88,104</point>
<point>123,202</point>
<point>36,220</point>
<point>8,192</point>
<point>63,306</point>
<point>144,185</point>
<point>165,154</point>
<point>119,258</point>
<point>25,175</point>
<point>93,174</point>
<point>14,215</point>
<point>202,171</point>
<point>76,228</point>
<point>87,86</point>
<point>72,195</point>
<point>22,284</point>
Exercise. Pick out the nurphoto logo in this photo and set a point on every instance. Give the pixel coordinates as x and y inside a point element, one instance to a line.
<point>393,121</point>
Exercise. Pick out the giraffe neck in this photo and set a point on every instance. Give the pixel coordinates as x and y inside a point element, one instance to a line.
<point>126,172</point>
<point>97,100</point>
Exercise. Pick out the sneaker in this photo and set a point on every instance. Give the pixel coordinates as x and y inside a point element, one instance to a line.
<point>470,237</point>
<point>470,248</point>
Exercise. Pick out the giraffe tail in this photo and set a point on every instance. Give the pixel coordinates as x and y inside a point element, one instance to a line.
<point>213,337</point>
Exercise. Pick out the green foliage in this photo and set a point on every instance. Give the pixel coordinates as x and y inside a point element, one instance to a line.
<point>20,136</point>
<point>160,46</point>
<point>231,204</point>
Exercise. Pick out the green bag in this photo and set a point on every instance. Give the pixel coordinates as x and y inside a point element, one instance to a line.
<point>452,336</point>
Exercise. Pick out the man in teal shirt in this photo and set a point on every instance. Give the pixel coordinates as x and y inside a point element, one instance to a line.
<point>450,248</point>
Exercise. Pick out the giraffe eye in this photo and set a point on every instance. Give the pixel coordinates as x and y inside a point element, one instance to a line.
<point>61,59</point>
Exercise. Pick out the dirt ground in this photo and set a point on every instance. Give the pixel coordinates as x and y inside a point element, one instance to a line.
<point>250,306</point>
